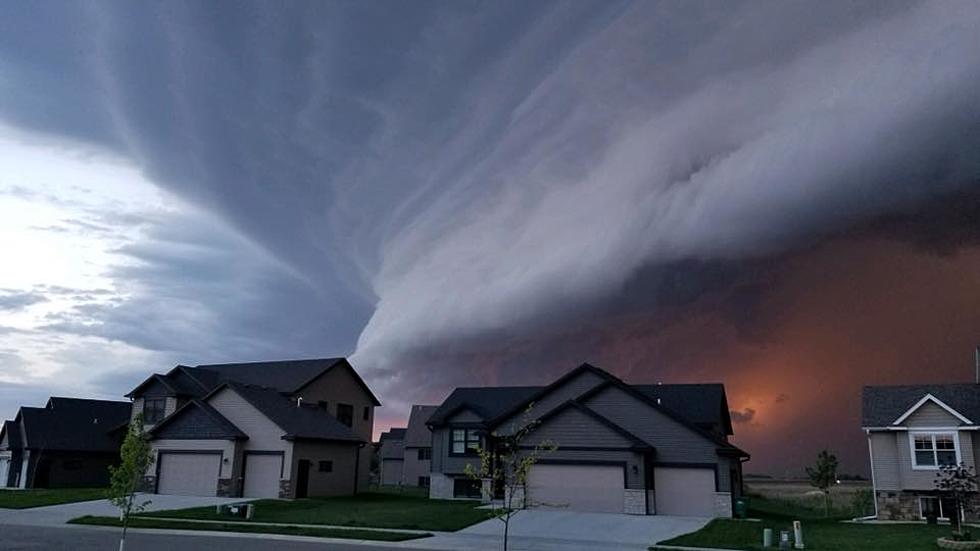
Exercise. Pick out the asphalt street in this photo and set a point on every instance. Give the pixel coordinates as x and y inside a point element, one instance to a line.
<point>49,538</point>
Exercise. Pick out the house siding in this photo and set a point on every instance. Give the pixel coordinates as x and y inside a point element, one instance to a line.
<point>339,482</point>
<point>574,428</point>
<point>675,442</point>
<point>263,434</point>
<point>580,384</point>
<point>884,452</point>
<point>414,467</point>
<point>442,462</point>
<point>465,416</point>
<point>931,415</point>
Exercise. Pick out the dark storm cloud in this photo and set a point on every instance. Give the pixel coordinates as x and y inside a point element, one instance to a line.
<point>744,416</point>
<point>494,190</point>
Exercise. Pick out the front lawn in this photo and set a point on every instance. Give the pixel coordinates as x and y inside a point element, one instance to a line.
<point>375,535</point>
<point>25,499</point>
<point>376,510</point>
<point>819,535</point>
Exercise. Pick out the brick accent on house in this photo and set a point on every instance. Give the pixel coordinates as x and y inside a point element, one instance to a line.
<point>723,504</point>
<point>285,489</point>
<point>897,506</point>
<point>227,488</point>
<point>149,484</point>
<point>635,502</point>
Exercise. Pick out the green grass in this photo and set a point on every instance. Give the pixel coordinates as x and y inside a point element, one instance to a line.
<point>251,528</point>
<point>25,499</point>
<point>375,510</point>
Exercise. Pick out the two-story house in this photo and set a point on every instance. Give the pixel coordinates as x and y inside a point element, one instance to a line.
<point>912,430</point>
<point>391,457</point>
<point>418,447</point>
<point>290,429</point>
<point>621,448</point>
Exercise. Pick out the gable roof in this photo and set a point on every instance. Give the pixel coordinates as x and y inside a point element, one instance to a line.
<point>73,424</point>
<point>11,430</point>
<point>393,434</point>
<point>393,444</point>
<point>881,406</point>
<point>418,434</point>
<point>298,422</point>
<point>215,425</point>
<point>486,402</point>
<point>703,404</point>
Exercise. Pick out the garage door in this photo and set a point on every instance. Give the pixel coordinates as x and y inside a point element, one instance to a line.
<point>592,488</point>
<point>189,474</point>
<point>262,472</point>
<point>684,492</point>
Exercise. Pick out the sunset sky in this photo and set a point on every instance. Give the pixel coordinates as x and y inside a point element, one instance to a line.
<point>780,196</point>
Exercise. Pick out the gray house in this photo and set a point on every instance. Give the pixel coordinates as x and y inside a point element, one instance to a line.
<point>391,457</point>
<point>289,429</point>
<point>70,442</point>
<point>912,430</point>
<point>622,448</point>
<point>418,447</point>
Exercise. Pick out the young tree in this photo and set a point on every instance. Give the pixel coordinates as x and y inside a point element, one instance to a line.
<point>136,456</point>
<point>508,465</point>
<point>957,483</point>
<point>822,475</point>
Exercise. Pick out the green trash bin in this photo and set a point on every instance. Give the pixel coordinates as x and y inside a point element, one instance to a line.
<point>742,507</point>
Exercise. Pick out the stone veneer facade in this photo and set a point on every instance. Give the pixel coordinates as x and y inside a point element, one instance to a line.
<point>635,502</point>
<point>892,505</point>
<point>227,488</point>
<point>285,489</point>
<point>723,504</point>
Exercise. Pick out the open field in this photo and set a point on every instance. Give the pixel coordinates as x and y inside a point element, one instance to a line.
<point>798,497</point>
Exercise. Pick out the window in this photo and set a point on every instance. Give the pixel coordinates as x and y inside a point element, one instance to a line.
<point>467,487</point>
<point>425,454</point>
<point>930,450</point>
<point>153,410</point>
<point>423,482</point>
<point>942,508</point>
<point>325,467</point>
<point>323,404</point>
<point>367,413</point>
<point>465,442</point>
<point>345,414</point>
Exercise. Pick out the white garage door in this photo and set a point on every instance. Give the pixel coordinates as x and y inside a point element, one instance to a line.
<point>262,473</point>
<point>189,474</point>
<point>684,492</point>
<point>592,488</point>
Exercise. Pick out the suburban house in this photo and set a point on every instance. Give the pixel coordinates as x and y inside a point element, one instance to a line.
<point>621,448</point>
<point>70,442</point>
<point>912,430</point>
<point>418,447</point>
<point>391,457</point>
<point>287,429</point>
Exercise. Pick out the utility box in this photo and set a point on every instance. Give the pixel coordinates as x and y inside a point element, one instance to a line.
<point>742,507</point>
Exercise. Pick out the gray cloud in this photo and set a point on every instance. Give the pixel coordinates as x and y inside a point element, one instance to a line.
<point>11,299</point>
<point>744,416</point>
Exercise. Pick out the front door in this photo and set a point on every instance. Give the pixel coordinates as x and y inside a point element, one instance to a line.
<point>303,478</point>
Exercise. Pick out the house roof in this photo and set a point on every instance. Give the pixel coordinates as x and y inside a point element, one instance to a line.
<point>393,444</point>
<point>487,402</point>
<point>883,405</point>
<point>288,376</point>
<point>218,426</point>
<point>418,434</point>
<point>12,430</point>
<point>702,404</point>
<point>74,424</point>
<point>392,434</point>
<point>298,422</point>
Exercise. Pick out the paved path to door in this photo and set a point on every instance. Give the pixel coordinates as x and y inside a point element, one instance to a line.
<point>53,515</point>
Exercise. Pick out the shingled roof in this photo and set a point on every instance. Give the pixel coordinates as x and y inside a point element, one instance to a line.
<point>298,422</point>
<point>12,431</point>
<point>704,405</point>
<point>487,402</point>
<point>393,444</point>
<point>74,424</point>
<point>882,405</point>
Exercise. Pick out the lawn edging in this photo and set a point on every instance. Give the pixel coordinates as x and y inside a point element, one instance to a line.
<point>253,528</point>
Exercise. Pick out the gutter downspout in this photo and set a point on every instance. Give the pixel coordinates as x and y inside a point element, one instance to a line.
<point>357,466</point>
<point>874,484</point>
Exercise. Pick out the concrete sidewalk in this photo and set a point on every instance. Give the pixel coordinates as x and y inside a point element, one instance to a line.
<point>57,515</point>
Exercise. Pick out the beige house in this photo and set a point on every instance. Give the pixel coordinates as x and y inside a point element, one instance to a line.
<point>286,429</point>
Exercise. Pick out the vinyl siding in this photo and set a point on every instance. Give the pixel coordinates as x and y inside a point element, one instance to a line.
<point>924,479</point>
<point>339,482</point>
<point>263,434</point>
<point>574,428</point>
<point>931,415</point>
<point>414,468</point>
<point>442,462</point>
<point>675,442</point>
<point>885,455</point>
<point>573,388</point>
<point>465,416</point>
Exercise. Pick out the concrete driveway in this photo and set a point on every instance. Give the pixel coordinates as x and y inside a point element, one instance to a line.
<point>544,530</point>
<point>60,514</point>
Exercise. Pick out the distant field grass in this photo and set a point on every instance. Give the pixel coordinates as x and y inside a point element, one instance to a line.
<point>799,499</point>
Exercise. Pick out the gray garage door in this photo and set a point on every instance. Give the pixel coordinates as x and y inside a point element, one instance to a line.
<point>591,488</point>
<point>684,491</point>
<point>392,471</point>
<point>189,474</point>
<point>262,475</point>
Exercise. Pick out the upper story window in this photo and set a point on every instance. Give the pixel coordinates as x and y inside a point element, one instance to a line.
<point>345,414</point>
<point>932,449</point>
<point>154,410</point>
<point>425,454</point>
<point>465,442</point>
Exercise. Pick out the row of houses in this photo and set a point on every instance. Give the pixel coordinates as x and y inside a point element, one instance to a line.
<point>303,428</point>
